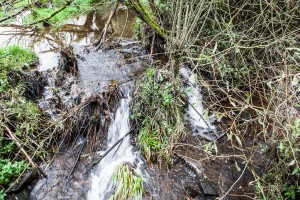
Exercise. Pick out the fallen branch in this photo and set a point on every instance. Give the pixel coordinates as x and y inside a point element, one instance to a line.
<point>53,14</point>
<point>35,166</point>
<point>101,40</point>
<point>12,16</point>
<point>110,149</point>
<point>201,116</point>
<point>77,159</point>
<point>232,186</point>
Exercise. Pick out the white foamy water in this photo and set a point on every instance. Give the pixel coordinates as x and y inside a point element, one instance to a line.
<point>102,186</point>
<point>195,113</point>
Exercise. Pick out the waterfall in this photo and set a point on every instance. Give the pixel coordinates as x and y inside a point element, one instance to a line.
<point>102,186</point>
<point>195,113</point>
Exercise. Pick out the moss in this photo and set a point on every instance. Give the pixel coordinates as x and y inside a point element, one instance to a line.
<point>145,13</point>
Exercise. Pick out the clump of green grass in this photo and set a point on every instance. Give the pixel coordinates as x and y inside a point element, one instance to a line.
<point>15,57</point>
<point>9,169</point>
<point>76,8</point>
<point>158,111</point>
<point>12,59</point>
<point>129,184</point>
<point>2,194</point>
<point>17,113</point>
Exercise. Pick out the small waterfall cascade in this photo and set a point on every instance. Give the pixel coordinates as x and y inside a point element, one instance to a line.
<point>102,185</point>
<point>195,114</point>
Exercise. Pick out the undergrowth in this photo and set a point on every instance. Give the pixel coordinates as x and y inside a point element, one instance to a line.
<point>18,114</point>
<point>158,112</point>
<point>246,54</point>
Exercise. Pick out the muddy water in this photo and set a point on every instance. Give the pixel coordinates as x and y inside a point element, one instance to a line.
<point>69,174</point>
<point>82,30</point>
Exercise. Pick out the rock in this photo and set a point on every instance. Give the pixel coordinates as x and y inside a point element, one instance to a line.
<point>208,188</point>
<point>192,192</point>
<point>25,181</point>
<point>193,165</point>
<point>68,61</point>
<point>22,195</point>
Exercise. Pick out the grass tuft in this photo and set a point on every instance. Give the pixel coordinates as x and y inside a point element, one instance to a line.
<point>18,113</point>
<point>158,112</point>
<point>129,184</point>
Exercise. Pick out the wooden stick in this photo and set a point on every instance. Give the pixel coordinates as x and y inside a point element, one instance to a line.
<point>77,159</point>
<point>111,148</point>
<point>201,116</point>
<point>11,16</point>
<point>101,40</point>
<point>11,135</point>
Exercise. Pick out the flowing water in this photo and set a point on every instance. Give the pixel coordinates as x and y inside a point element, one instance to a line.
<point>82,30</point>
<point>69,175</point>
<point>195,113</point>
<point>102,186</point>
<point>96,70</point>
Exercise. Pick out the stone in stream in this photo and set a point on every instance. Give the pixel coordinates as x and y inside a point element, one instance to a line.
<point>68,61</point>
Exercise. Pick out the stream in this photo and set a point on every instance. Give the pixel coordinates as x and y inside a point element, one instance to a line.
<point>102,186</point>
<point>70,175</point>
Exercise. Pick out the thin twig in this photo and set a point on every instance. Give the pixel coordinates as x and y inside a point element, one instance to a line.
<point>11,135</point>
<point>53,14</point>
<point>101,40</point>
<point>111,148</point>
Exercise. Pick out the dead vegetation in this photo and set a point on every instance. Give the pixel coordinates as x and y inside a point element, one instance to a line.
<point>246,54</point>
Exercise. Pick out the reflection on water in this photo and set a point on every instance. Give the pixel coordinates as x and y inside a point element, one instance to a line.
<point>82,30</point>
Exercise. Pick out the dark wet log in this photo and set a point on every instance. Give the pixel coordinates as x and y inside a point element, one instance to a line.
<point>67,65</point>
<point>111,148</point>
<point>24,182</point>
<point>68,61</point>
